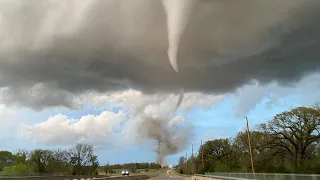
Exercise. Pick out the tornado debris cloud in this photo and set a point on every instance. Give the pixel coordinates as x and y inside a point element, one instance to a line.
<point>168,138</point>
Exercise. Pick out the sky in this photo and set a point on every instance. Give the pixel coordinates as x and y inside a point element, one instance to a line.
<point>99,72</point>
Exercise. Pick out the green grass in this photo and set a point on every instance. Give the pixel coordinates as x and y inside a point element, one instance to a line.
<point>178,174</point>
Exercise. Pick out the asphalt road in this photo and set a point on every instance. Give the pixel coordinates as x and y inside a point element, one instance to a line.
<point>164,176</point>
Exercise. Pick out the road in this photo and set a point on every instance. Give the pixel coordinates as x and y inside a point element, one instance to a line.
<point>164,176</point>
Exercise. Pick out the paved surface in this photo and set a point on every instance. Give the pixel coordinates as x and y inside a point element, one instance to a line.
<point>164,176</point>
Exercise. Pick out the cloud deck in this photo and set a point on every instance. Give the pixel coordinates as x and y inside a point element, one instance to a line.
<point>71,48</point>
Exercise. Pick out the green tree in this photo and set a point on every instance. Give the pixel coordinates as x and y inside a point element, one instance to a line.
<point>41,159</point>
<point>6,159</point>
<point>20,169</point>
<point>22,156</point>
<point>182,160</point>
<point>267,158</point>
<point>59,163</point>
<point>294,132</point>
<point>215,150</point>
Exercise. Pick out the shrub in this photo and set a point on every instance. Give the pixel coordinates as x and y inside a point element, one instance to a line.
<point>17,170</point>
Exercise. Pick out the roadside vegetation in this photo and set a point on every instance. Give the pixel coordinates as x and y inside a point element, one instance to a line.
<point>78,160</point>
<point>288,143</point>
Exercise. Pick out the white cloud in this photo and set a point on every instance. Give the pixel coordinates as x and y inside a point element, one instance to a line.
<point>137,107</point>
<point>156,105</point>
<point>61,130</point>
<point>8,117</point>
<point>159,106</point>
<point>123,128</point>
<point>250,95</point>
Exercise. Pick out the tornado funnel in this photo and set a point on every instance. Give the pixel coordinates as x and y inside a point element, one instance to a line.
<point>178,12</point>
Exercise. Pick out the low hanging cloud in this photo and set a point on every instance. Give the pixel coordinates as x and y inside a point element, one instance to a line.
<point>142,118</point>
<point>64,49</point>
<point>156,105</point>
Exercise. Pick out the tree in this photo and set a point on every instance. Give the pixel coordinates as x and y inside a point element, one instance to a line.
<point>22,156</point>
<point>59,163</point>
<point>61,156</point>
<point>107,167</point>
<point>264,155</point>
<point>218,148</point>
<point>20,169</point>
<point>81,156</point>
<point>182,160</point>
<point>94,164</point>
<point>216,151</point>
<point>6,158</point>
<point>192,165</point>
<point>294,132</point>
<point>41,159</point>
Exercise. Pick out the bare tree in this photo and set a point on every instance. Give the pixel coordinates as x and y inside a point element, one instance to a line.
<point>61,156</point>
<point>41,158</point>
<point>81,156</point>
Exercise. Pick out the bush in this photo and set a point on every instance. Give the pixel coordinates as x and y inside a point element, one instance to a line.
<point>17,170</point>
<point>200,170</point>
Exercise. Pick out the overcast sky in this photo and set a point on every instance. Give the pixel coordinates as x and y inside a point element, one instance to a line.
<point>97,72</point>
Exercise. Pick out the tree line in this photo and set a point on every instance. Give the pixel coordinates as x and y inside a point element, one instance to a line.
<point>78,160</point>
<point>132,167</point>
<point>288,143</point>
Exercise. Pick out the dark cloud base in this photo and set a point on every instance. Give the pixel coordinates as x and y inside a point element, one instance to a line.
<point>104,56</point>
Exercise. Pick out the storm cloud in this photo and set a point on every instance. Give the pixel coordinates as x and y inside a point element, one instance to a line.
<point>66,48</point>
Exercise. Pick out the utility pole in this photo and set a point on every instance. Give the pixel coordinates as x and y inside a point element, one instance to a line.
<point>192,165</point>
<point>250,148</point>
<point>202,155</point>
<point>192,149</point>
<point>186,162</point>
<point>159,154</point>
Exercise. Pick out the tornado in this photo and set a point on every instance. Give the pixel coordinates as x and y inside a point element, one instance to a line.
<point>178,12</point>
<point>181,95</point>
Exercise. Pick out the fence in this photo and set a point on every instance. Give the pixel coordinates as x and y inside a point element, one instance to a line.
<point>267,176</point>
